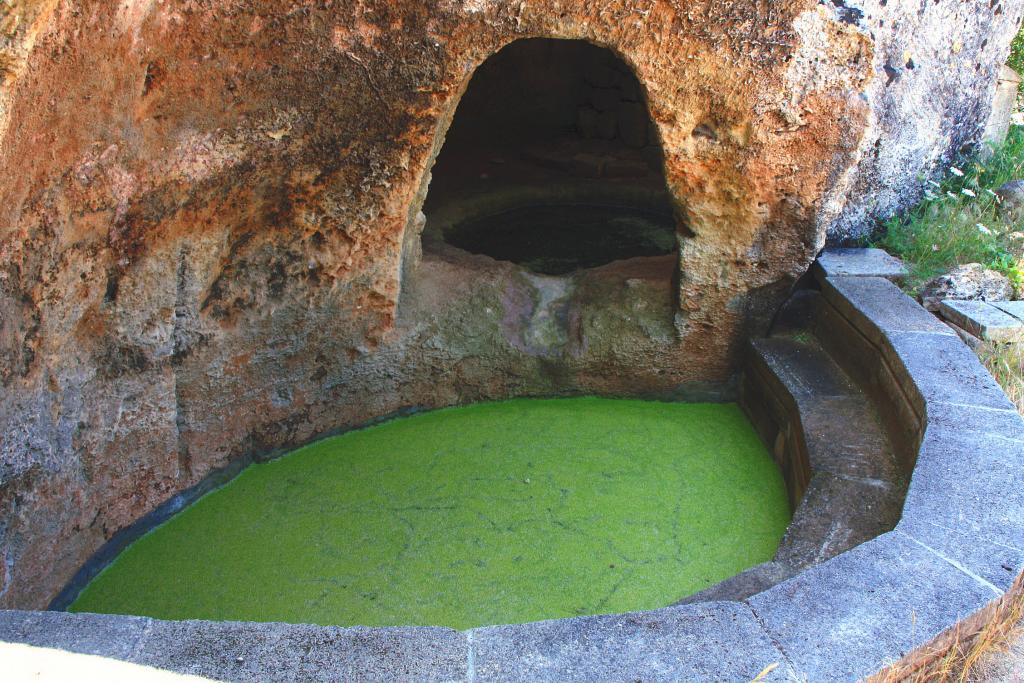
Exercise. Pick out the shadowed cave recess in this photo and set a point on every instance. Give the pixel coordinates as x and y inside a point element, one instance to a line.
<point>551,162</point>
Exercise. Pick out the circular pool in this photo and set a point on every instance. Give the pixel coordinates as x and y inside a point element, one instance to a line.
<point>493,513</point>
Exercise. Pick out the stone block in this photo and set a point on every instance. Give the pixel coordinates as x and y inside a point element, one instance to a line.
<point>743,585</point>
<point>877,307</point>
<point>864,362</point>
<point>965,336</point>
<point>844,619</point>
<point>594,124</point>
<point>839,262</point>
<point>607,125</point>
<point>618,167</point>
<point>604,99</point>
<point>1005,423</point>
<point>600,75</point>
<point>1013,308</point>
<point>632,119</point>
<point>796,316</point>
<point>982,319</point>
<point>836,514</point>
<point>969,282</point>
<point>939,367</point>
<point>235,651</point>
<point>966,501</point>
<point>845,437</point>
<point>711,641</point>
<point>1004,104</point>
<point>106,635</point>
<point>761,406</point>
<point>803,368</point>
<point>587,122</point>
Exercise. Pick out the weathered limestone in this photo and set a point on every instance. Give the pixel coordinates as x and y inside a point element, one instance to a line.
<point>1011,198</point>
<point>1004,104</point>
<point>969,282</point>
<point>209,216</point>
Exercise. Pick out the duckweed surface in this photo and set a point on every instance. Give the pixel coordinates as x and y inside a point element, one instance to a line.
<point>493,513</point>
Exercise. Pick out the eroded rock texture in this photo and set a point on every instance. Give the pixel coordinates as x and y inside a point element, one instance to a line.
<point>209,220</point>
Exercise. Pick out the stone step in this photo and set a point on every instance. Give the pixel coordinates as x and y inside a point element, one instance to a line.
<point>816,418</point>
<point>991,321</point>
<point>859,263</point>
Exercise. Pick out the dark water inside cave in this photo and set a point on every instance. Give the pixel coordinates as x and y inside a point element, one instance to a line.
<point>559,239</point>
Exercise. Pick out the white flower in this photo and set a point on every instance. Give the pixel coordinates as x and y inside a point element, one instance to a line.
<point>950,194</point>
<point>956,171</point>
<point>982,229</point>
<point>928,194</point>
<point>969,193</point>
<point>934,184</point>
<point>935,247</point>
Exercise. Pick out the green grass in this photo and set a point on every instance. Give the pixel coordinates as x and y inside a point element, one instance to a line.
<point>493,513</point>
<point>1016,60</point>
<point>951,227</point>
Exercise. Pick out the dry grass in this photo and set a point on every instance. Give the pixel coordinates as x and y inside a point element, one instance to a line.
<point>1006,363</point>
<point>955,656</point>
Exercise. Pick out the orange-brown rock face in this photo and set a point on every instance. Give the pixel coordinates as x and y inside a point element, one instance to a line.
<point>209,221</point>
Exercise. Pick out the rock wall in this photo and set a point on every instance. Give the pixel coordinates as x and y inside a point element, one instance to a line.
<point>210,212</point>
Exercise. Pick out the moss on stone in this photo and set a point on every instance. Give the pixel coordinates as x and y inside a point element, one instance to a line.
<point>492,513</point>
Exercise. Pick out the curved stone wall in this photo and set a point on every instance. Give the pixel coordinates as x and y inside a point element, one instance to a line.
<point>205,206</point>
<point>953,561</point>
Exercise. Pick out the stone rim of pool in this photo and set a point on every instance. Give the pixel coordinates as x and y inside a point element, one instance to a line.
<point>491,588</point>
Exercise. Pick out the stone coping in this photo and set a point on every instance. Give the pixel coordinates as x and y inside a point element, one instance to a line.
<point>843,262</point>
<point>996,321</point>
<point>957,549</point>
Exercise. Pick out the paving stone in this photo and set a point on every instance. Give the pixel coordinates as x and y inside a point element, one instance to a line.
<point>765,401</point>
<point>965,336</point>
<point>940,368</point>
<point>842,620</point>
<point>1006,422</point>
<point>803,368</point>
<point>797,313</point>
<point>844,437</point>
<point>864,361</point>
<point>743,585</point>
<point>859,262</point>
<point>711,641</point>
<point>835,515</point>
<point>877,307</point>
<point>233,651</point>
<point>1014,308</point>
<point>982,319</point>
<point>966,501</point>
<point>106,635</point>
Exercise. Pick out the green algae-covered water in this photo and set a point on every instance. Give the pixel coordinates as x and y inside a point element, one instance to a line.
<point>493,513</point>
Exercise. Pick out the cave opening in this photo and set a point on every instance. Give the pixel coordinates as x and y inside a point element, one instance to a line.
<point>551,162</point>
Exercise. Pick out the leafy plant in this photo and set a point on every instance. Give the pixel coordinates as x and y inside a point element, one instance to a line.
<point>959,220</point>
<point>1016,60</point>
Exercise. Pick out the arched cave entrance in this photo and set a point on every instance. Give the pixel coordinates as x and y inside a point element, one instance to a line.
<point>551,162</point>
